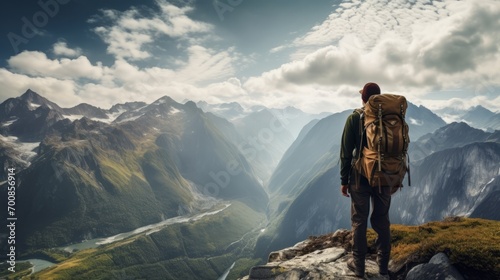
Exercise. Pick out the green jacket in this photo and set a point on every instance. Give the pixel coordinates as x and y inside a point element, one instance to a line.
<point>351,139</point>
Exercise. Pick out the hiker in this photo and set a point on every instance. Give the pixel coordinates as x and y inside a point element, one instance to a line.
<point>361,192</point>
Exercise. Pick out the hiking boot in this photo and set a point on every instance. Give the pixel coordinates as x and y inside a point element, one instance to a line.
<point>352,267</point>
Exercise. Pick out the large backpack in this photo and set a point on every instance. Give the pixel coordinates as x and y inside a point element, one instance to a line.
<point>383,159</point>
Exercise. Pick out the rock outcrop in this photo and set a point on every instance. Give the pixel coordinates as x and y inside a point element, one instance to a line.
<point>325,257</point>
<point>439,267</point>
<point>321,257</point>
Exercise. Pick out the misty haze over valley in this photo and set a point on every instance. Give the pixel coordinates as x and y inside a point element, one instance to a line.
<point>213,185</point>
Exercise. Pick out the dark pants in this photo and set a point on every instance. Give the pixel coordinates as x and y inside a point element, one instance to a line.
<point>360,209</point>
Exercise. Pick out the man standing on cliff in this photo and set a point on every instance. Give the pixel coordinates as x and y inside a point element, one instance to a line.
<point>361,193</point>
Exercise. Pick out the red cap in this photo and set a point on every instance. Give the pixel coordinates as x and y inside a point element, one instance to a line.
<point>368,90</point>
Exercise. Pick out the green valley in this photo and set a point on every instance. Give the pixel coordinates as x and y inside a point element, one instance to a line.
<point>202,249</point>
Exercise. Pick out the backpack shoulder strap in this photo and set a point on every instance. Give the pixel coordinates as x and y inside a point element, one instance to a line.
<point>359,154</point>
<point>360,111</point>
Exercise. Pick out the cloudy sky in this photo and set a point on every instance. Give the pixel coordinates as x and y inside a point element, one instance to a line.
<point>314,55</point>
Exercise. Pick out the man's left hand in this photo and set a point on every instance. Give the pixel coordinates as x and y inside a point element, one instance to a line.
<point>344,189</point>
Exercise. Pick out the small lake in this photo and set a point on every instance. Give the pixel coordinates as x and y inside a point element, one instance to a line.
<point>38,265</point>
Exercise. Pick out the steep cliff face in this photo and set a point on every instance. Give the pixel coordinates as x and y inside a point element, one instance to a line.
<point>453,135</point>
<point>451,182</point>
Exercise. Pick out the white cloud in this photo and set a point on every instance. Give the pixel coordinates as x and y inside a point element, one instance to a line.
<point>131,32</point>
<point>406,48</point>
<point>412,49</point>
<point>61,49</point>
<point>370,19</point>
<point>147,87</point>
<point>37,64</point>
<point>206,64</point>
<point>63,92</point>
<point>123,81</point>
<point>124,44</point>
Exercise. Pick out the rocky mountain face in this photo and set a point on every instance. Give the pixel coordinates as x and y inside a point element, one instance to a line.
<point>87,110</point>
<point>28,117</point>
<point>452,182</point>
<point>128,106</point>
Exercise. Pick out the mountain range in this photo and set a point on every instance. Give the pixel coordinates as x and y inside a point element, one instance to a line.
<point>256,179</point>
<point>477,117</point>
<point>91,178</point>
<point>263,134</point>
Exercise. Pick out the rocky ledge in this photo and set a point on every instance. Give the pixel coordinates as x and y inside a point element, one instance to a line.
<point>325,257</point>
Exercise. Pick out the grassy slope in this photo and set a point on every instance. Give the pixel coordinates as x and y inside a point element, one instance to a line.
<point>196,250</point>
<point>473,245</point>
<point>21,270</point>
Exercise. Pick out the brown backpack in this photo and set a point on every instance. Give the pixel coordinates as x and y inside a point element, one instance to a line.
<point>383,160</point>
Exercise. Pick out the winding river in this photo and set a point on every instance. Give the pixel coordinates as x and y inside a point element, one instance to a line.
<point>39,264</point>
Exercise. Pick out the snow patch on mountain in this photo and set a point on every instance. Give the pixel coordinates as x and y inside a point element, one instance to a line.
<point>8,123</point>
<point>111,116</point>
<point>26,153</point>
<point>491,181</point>
<point>73,117</point>
<point>174,111</point>
<point>33,106</point>
<point>133,118</point>
<point>416,122</point>
<point>160,101</point>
